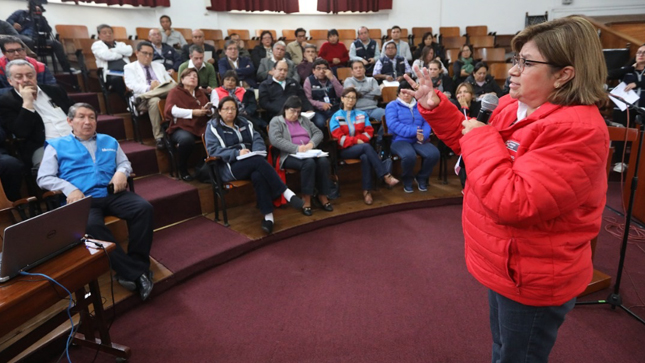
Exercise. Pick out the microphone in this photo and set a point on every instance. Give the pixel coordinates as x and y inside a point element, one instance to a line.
<point>488,105</point>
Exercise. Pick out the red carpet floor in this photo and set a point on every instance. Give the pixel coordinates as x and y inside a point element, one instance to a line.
<point>392,288</point>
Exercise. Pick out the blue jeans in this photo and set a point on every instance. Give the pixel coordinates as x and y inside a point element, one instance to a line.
<point>369,161</point>
<point>321,117</point>
<point>408,154</point>
<point>523,333</point>
<point>375,113</point>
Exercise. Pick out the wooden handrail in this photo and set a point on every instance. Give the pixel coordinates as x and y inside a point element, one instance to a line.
<point>634,43</point>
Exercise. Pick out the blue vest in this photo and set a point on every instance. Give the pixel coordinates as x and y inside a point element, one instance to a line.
<point>388,66</point>
<point>319,92</point>
<point>75,163</point>
<point>362,51</point>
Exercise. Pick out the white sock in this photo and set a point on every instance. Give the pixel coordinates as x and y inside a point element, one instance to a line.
<point>288,194</point>
<point>269,217</point>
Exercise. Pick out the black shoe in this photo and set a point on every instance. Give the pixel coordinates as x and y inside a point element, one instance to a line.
<point>267,226</point>
<point>145,286</point>
<point>160,144</point>
<point>296,202</point>
<point>326,207</point>
<point>186,177</point>
<point>128,285</point>
<point>307,211</point>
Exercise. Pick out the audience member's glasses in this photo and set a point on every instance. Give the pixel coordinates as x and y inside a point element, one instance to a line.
<point>14,51</point>
<point>229,109</point>
<point>147,54</point>
<point>293,110</point>
<point>521,62</point>
<point>640,53</point>
<point>350,97</point>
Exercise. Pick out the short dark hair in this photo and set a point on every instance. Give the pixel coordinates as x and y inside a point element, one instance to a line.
<point>229,43</point>
<point>195,48</point>
<point>320,61</point>
<point>395,27</point>
<point>103,26</point>
<point>403,85</point>
<point>311,46</point>
<point>424,53</point>
<point>275,65</point>
<point>228,99</point>
<point>352,62</point>
<point>231,74</point>
<point>266,32</point>
<point>469,47</point>
<point>144,43</point>
<point>71,113</point>
<point>347,91</point>
<point>332,32</point>
<point>10,40</point>
<point>230,35</point>
<point>300,30</point>
<point>388,43</point>
<point>165,16</point>
<point>291,102</point>
<point>479,65</point>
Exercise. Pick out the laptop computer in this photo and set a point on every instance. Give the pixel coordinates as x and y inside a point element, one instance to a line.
<point>36,240</point>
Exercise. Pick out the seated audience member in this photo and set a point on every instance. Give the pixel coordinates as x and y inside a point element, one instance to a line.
<point>240,65</point>
<point>86,163</point>
<point>296,49</point>
<point>305,68</point>
<point>262,50</point>
<point>266,65</point>
<point>246,103</point>
<point>465,100</point>
<point>441,81</point>
<point>334,51</point>
<point>365,50</point>
<point>483,82</point>
<point>171,36</point>
<point>149,83</point>
<point>291,133</point>
<point>240,46</point>
<point>33,112</point>
<point>29,23</point>
<point>206,71</point>
<point>11,171</point>
<point>111,55</point>
<point>13,49</point>
<point>164,53</point>
<point>410,134</point>
<point>8,29</point>
<point>368,91</point>
<point>464,65</point>
<point>391,67</point>
<point>199,39</point>
<point>423,61</point>
<point>632,75</point>
<point>428,40</point>
<point>323,91</point>
<point>228,136</point>
<point>188,110</point>
<point>353,131</point>
<point>275,91</point>
<point>402,47</point>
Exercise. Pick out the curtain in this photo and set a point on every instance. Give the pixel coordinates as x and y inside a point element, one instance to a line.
<point>336,6</point>
<point>150,3</point>
<point>288,6</point>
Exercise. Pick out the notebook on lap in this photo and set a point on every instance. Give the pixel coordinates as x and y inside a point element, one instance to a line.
<point>36,240</point>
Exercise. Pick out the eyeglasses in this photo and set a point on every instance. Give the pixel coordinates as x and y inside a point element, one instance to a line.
<point>522,62</point>
<point>228,109</point>
<point>147,54</point>
<point>14,51</point>
<point>637,53</point>
<point>349,97</point>
<point>293,110</point>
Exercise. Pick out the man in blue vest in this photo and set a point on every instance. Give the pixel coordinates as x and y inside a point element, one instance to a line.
<point>323,91</point>
<point>365,50</point>
<point>391,67</point>
<point>85,163</point>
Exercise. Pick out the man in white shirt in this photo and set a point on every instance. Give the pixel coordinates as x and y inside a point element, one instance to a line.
<point>402,47</point>
<point>111,55</point>
<point>149,82</point>
<point>171,36</point>
<point>31,112</point>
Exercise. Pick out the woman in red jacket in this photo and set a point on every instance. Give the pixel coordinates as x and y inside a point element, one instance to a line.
<point>334,51</point>
<point>536,183</point>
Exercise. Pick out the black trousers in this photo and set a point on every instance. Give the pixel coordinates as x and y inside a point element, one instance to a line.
<point>11,171</point>
<point>266,182</point>
<point>314,173</point>
<point>185,142</point>
<point>138,213</point>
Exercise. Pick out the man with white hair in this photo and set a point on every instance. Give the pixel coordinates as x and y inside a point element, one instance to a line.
<point>164,53</point>
<point>266,68</point>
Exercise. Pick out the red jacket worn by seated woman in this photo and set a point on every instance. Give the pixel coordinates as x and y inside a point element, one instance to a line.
<point>534,197</point>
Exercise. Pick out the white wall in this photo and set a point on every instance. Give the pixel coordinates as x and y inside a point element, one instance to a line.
<point>502,16</point>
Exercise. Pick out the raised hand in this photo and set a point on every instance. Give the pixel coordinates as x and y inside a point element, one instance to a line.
<point>423,91</point>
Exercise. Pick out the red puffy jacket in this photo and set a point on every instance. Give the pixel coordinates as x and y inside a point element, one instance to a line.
<point>534,196</point>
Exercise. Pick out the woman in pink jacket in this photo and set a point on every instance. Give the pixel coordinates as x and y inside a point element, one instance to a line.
<point>536,183</point>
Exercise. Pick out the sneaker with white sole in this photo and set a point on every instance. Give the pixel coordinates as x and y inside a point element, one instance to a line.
<point>408,188</point>
<point>421,184</point>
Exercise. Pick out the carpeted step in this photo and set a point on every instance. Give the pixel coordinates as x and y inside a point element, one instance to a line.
<point>86,97</point>
<point>111,125</point>
<point>183,247</point>
<point>173,200</point>
<point>69,82</point>
<point>142,157</point>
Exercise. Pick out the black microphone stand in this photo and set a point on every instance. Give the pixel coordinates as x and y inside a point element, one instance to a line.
<point>614,299</point>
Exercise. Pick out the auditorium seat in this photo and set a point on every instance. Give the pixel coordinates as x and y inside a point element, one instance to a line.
<point>212,34</point>
<point>404,33</point>
<point>186,32</point>
<point>490,55</point>
<point>417,34</point>
<point>453,42</point>
<point>477,30</point>
<point>499,71</point>
<point>347,34</point>
<point>376,34</point>
<point>318,34</point>
<point>259,31</point>
<point>244,33</point>
<point>142,33</point>
<point>120,33</point>
<point>482,41</point>
<point>449,31</point>
<point>289,35</point>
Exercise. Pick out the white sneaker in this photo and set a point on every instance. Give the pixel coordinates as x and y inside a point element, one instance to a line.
<point>620,167</point>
